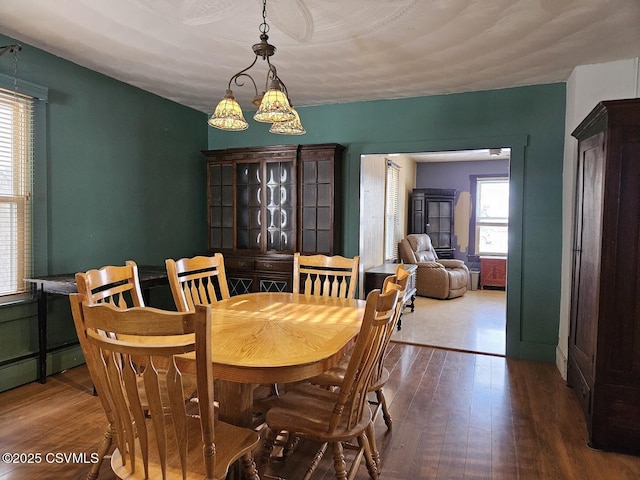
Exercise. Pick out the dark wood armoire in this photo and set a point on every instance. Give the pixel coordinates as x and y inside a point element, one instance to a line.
<point>604,339</point>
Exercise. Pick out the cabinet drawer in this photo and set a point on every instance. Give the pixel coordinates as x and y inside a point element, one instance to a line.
<point>239,263</point>
<point>274,265</point>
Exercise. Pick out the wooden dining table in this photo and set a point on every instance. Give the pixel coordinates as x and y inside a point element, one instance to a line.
<point>270,338</point>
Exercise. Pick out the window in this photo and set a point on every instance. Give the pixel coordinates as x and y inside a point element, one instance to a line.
<point>16,175</point>
<point>392,234</point>
<point>492,215</point>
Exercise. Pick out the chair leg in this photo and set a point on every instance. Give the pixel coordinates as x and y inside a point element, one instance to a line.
<point>103,449</point>
<point>315,462</point>
<point>249,467</point>
<point>339,464</point>
<point>385,411</point>
<point>372,465</point>
<point>267,449</point>
<point>290,444</point>
<point>371,436</point>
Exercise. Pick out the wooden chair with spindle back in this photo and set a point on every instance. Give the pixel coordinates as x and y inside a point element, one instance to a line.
<point>120,286</point>
<point>198,280</point>
<point>335,376</point>
<point>167,442</point>
<point>330,276</point>
<point>341,415</point>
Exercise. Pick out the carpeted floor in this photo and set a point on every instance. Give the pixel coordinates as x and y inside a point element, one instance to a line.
<point>475,322</point>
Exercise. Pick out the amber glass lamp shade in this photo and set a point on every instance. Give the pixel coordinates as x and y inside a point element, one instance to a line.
<point>274,106</point>
<point>228,115</point>
<point>290,127</point>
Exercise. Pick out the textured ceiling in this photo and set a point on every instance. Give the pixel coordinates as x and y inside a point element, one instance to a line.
<point>329,51</point>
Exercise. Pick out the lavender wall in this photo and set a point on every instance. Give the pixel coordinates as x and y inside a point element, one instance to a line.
<point>458,175</point>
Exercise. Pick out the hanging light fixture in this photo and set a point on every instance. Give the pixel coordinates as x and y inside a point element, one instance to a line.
<point>273,104</point>
<point>290,127</point>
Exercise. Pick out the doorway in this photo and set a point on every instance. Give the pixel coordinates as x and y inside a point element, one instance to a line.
<point>475,322</point>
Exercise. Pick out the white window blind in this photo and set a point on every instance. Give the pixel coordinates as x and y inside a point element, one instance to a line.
<point>16,177</point>
<point>392,234</point>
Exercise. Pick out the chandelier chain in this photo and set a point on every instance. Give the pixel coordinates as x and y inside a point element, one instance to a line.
<point>264,27</point>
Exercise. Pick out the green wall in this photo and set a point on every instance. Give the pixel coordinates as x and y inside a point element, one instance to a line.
<point>123,179</point>
<point>530,120</point>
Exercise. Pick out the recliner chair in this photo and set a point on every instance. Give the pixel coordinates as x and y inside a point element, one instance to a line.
<point>435,278</point>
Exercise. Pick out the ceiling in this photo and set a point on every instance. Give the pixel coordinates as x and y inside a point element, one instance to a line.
<point>329,51</point>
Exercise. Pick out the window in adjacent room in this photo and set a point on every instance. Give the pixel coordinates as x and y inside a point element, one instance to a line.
<point>16,169</point>
<point>392,234</point>
<point>492,215</point>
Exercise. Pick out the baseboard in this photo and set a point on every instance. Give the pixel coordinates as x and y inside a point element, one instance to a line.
<point>561,362</point>
<point>26,371</point>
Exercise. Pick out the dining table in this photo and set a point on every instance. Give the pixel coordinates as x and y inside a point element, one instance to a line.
<point>273,338</point>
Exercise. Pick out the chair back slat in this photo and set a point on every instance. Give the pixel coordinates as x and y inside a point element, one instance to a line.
<point>119,285</point>
<point>378,317</point>
<point>323,275</point>
<point>198,280</point>
<point>397,282</point>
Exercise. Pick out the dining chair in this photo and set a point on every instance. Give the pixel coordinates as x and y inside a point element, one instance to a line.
<point>120,286</point>
<point>335,376</point>
<point>167,442</point>
<point>197,280</point>
<point>117,285</point>
<point>335,416</point>
<point>202,280</point>
<point>330,276</point>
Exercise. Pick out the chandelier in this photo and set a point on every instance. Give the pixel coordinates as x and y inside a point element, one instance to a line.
<point>273,104</point>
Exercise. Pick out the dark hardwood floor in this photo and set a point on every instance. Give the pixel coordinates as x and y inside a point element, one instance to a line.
<point>455,416</point>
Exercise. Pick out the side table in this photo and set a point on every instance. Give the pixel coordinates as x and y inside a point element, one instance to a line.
<point>374,278</point>
<point>64,284</point>
<point>493,272</point>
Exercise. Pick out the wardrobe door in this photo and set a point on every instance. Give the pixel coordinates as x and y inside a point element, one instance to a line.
<point>586,275</point>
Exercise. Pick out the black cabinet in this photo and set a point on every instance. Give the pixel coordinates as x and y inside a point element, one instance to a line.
<point>604,339</point>
<point>432,213</point>
<point>265,203</point>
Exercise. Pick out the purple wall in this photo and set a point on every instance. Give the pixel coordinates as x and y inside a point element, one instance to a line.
<point>458,175</point>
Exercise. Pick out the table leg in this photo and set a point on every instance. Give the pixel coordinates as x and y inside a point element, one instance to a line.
<point>236,407</point>
<point>236,403</point>
<point>42,336</point>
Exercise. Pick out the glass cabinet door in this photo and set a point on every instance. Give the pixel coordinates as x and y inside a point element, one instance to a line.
<point>265,206</point>
<point>279,206</point>
<point>221,206</point>
<point>439,226</point>
<point>248,205</point>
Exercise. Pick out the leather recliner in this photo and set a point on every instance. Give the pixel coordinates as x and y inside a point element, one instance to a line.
<point>435,278</point>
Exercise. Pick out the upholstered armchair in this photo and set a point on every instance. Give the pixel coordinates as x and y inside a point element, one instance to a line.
<point>435,278</point>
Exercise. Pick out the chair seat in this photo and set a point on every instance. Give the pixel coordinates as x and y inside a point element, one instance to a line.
<point>335,375</point>
<point>231,443</point>
<point>305,407</point>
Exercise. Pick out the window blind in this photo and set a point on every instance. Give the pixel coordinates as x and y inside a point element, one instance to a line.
<point>16,179</point>
<point>392,234</point>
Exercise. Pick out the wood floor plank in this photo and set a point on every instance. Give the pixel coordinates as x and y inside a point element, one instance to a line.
<point>456,416</point>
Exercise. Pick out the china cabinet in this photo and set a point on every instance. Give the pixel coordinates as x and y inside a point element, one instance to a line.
<point>265,203</point>
<point>432,213</point>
